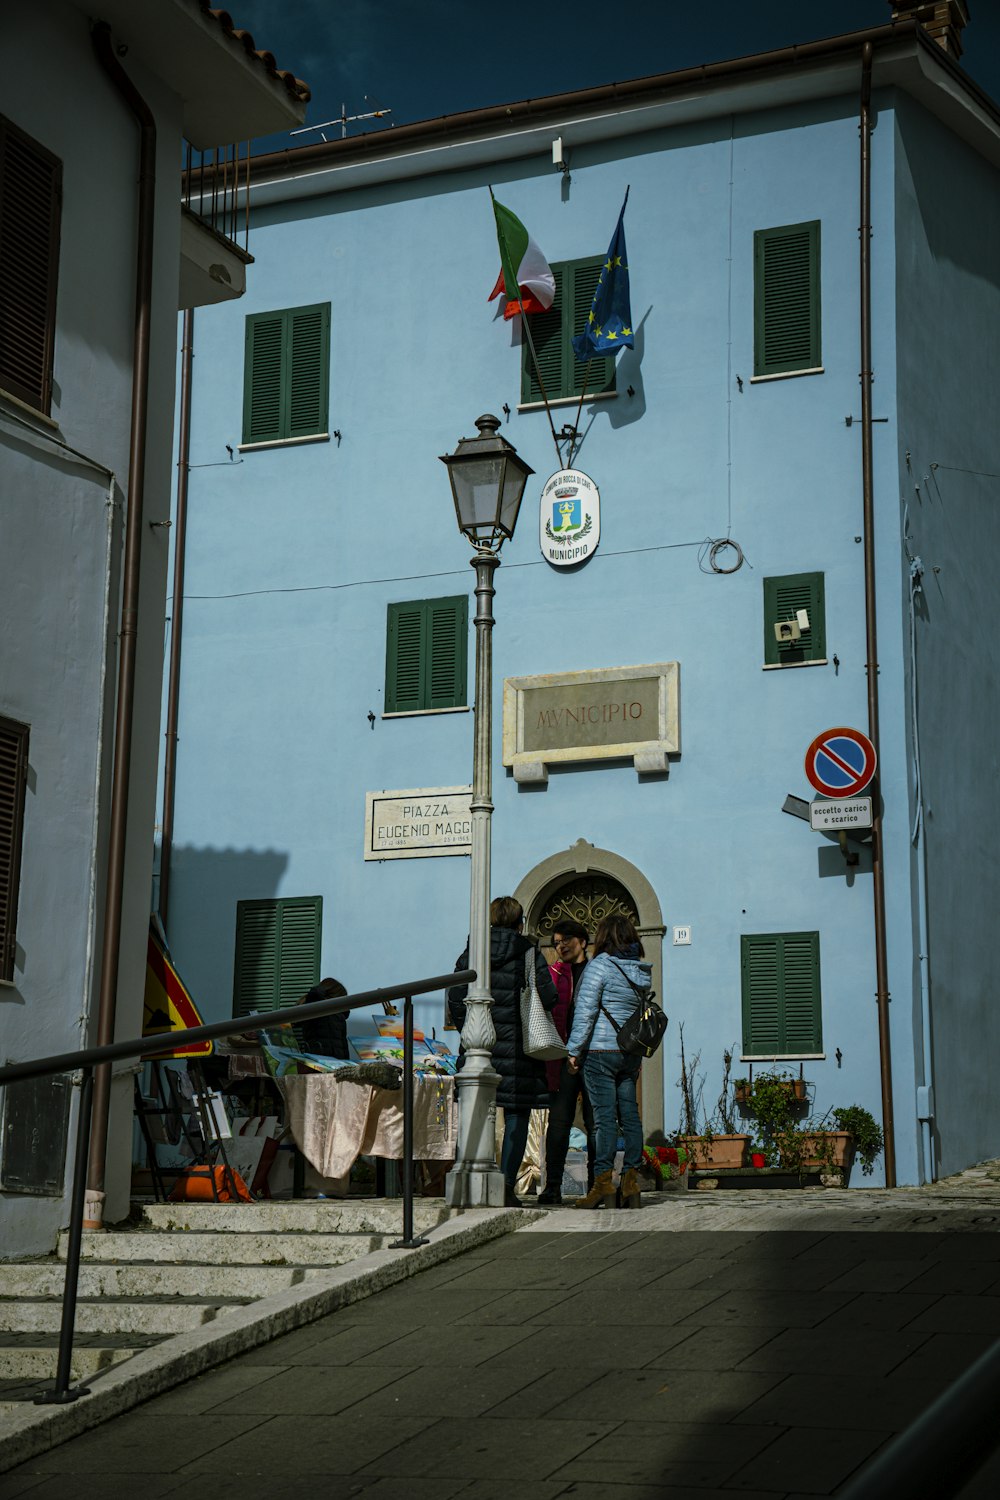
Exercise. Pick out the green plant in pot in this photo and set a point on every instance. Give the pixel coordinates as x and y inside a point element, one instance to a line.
<point>772,1102</point>
<point>865,1132</point>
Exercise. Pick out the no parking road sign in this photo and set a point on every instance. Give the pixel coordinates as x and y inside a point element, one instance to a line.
<point>840,762</point>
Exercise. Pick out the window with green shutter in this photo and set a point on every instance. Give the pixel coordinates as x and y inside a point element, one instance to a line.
<point>277,952</point>
<point>426,655</point>
<point>786,296</point>
<point>781,994</point>
<point>286,374</point>
<point>563,374</point>
<point>783,599</point>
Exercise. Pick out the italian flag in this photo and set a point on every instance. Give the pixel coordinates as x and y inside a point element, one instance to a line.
<point>523,267</point>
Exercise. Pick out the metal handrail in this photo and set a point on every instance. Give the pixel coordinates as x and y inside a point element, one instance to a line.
<point>88,1058</point>
<point>939,1452</point>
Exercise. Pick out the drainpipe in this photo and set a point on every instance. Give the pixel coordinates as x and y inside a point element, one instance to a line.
<point>176,617</point>
<point>130,611</point>
<point>871,665</point>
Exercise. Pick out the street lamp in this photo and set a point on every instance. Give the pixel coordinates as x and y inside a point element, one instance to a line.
<point>487,482</point>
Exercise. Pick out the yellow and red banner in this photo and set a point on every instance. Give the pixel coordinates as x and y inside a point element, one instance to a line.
<point>167,1006</point>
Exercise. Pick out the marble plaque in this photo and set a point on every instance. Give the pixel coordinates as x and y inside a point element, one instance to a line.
<point>418,824</point>
<point>611,713</point>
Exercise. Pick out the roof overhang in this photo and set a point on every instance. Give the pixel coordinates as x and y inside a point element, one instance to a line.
<point>226,91</point>
<point>904,58</point>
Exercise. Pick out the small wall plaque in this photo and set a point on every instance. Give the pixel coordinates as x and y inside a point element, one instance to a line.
<point>421,823</point>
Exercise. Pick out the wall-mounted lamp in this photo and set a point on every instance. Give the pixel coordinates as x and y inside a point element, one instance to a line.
<point>560,159</point>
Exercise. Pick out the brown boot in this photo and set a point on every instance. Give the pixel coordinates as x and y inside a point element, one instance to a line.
<point>629,1189</point>
<point>602,1194</point>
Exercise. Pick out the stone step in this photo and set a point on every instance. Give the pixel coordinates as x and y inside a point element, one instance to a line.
<point>150,1279</point>
<point>330,1216</point>
<point>195,1248</point>
<point>112,1315</point>
<point>35,1362</point>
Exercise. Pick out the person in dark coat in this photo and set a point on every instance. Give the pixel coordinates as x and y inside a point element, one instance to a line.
<point>327,1035</point>
<point>523,1085</point>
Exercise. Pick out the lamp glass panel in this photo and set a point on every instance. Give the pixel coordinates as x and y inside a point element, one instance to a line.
<point>513,488</point>
<point>477,488</point>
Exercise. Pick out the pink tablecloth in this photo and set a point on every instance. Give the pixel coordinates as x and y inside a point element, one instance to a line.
<point>335,1123</point>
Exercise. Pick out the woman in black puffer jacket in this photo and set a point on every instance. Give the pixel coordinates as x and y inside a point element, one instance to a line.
<point>523,1085</point>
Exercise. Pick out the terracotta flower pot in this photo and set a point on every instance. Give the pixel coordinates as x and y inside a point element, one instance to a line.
<point>841,1148</point>
<point>717,1151</point>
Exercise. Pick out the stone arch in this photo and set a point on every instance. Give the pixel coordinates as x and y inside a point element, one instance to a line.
<point>540,885</point>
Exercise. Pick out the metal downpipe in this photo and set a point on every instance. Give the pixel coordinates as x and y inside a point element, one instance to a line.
<point>176,617</point>
<point>130,611</point>
<point>871,642</point>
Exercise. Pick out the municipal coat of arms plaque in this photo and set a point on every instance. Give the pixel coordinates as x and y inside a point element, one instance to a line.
<point>569,525</point>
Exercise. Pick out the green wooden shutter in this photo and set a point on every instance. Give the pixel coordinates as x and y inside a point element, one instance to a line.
<point>783,597</point>
<point>308,363</point>
<point>446,627</point>
<point>286,374</point>
<point>403,658</point>
<point>787,299</point>
<point>301,937</point>
<point>262,378</point>
<point>277,952</point>
<point>255,981</point>
<point>781,993</point>
<point>426,655</point>
<point>13,782</point>
<point>547,336</point>
<point>601,374</point>
<point>552,332</point>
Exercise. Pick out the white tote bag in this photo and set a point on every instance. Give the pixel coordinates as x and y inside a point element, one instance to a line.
<point>541,1039</point>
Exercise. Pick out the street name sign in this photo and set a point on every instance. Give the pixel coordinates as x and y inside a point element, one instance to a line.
<point>840,762</point>
<point>831,817</point>
<point>418,824</point>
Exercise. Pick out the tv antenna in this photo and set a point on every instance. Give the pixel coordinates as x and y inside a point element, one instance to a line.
<point>344,119</point>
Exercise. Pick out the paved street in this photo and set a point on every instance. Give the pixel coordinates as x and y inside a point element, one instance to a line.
<point>768,1352</point>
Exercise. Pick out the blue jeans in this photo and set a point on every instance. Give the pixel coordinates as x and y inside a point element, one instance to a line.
<point>610,1079</point>
<point>515,1139</point>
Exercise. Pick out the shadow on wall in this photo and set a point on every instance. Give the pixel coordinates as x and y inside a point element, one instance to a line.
<point>205,886</point>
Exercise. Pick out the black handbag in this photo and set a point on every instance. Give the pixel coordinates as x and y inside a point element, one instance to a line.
<point>642,1032</point>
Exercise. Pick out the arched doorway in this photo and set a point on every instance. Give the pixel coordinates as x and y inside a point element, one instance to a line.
<point>588,883</point>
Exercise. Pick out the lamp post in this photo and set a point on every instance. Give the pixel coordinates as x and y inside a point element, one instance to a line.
<point>487,482</point>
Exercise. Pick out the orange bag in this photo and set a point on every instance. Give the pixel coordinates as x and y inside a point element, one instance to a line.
<point>196,1186</point>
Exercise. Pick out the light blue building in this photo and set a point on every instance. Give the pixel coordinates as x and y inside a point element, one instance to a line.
<point>327,603</point>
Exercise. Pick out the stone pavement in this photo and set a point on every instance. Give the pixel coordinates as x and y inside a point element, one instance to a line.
<point>715,1344</point>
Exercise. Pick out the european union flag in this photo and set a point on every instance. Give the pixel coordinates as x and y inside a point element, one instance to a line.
<point>609,325</point>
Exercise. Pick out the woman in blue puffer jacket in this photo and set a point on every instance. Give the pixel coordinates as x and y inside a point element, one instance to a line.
<point>610,1075</point>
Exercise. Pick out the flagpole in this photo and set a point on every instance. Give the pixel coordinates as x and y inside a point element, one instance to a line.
<point>583,392</point>
<point>527,333</point>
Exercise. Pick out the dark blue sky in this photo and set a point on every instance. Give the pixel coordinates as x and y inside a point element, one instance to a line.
<point>423,58</point>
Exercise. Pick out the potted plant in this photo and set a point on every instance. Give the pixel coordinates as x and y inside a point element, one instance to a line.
<point>714,1141</point>
<point>814,1147</point>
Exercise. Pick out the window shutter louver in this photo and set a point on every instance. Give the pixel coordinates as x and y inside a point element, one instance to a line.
<point>256,978</point>
<point>277,952</point>
<point>286,381</point>
<point>446,637</point>
<point>13,780</point>
<point>786,299</point>
<point>553,331</point>
<point>30,203</point>
<point>301,931</point>
<point>600,375</point>
<point>403,680</point>
<point>262,413</point>
<point>309,345</point>
<point>781,994</point>
<point>426,655</point>
<point>783,597</point>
